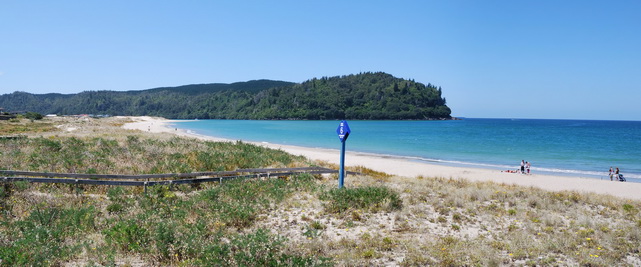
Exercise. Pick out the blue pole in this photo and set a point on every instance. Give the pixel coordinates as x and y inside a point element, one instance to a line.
<point>341,172</point>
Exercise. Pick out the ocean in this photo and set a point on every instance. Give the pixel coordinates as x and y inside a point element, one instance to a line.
<point>584,148</point>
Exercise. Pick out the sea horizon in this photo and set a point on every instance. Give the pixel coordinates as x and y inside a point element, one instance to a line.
<point>577,148</point>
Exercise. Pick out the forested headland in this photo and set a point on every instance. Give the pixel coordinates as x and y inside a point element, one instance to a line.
<point>367,96</point>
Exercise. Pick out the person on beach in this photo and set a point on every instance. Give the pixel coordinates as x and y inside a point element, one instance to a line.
<point>616,174</point>
<point>620,177</point>
<point>527,166</point>
<point>522,166</point>
<point>611,173</point>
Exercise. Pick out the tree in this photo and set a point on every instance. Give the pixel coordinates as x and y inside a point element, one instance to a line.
<point>370,95</point>
<point>33,116</point>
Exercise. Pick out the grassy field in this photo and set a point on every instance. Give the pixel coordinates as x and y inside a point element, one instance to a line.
<point>291,221</point>
<point>19,126</point>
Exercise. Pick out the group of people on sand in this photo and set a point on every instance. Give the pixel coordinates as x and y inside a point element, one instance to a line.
<point>616,175</point>
<point>525,168</point>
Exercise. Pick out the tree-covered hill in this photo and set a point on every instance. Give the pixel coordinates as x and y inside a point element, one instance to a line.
<point>363,96</point>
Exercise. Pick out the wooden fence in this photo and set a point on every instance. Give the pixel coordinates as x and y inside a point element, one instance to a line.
<point>155,179</point>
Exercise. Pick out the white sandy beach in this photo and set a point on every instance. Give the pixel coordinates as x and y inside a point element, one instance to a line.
<point>407,168</point>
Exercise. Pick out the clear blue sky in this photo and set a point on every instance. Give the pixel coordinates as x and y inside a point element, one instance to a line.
<point>493,59</point>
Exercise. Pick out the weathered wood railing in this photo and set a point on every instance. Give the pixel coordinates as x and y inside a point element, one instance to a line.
<point>133,180</point>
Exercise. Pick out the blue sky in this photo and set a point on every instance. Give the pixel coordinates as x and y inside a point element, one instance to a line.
<point>493,59</point>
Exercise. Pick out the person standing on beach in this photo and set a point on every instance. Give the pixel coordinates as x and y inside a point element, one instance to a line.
<point>611,173</point>
<point>617,174</point>
<point>522,166</point>
<point>527,166</point>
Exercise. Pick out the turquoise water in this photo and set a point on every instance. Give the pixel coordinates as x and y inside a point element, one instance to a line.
<point>563,147</point>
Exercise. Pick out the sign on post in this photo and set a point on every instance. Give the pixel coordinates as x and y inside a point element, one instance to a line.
<point>343,132</point>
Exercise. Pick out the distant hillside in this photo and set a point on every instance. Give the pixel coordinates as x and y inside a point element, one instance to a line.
<point>363,96</point>
<point>195,89</point>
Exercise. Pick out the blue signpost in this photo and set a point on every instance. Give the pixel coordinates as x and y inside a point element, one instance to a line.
<point>343,132</point>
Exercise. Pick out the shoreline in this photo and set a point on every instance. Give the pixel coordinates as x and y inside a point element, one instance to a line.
<point>409,168</point>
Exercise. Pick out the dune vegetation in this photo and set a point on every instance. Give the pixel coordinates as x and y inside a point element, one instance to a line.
<point>301,220</point>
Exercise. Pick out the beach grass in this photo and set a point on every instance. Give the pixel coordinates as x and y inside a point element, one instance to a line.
<point>302,220</point>
<point>18,126</point>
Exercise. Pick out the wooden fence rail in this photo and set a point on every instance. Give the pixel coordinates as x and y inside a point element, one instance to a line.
<point>154,176</point>
<point>196,177</point>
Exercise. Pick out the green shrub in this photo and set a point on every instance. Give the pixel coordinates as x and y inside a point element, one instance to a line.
<point>165,239</point>
<point>457,217</point>
<point>3,192</point>
<point>318,225</point>
<point>42,238</point>
<point>314,229</point>
<point>115,193</point>
<point>33,116</point>
<point>22,185</point>
<point>238,202</point>
<point>128,235</point>
<point>370,198</point>
<point>115,208</point>
<point>629,208</point>
<point>369,253</point>
<point>255,249</point>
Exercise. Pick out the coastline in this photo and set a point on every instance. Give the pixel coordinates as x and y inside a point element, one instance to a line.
<point>408,168</point>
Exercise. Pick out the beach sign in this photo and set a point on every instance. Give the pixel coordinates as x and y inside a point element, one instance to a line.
<point>343,132</point>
